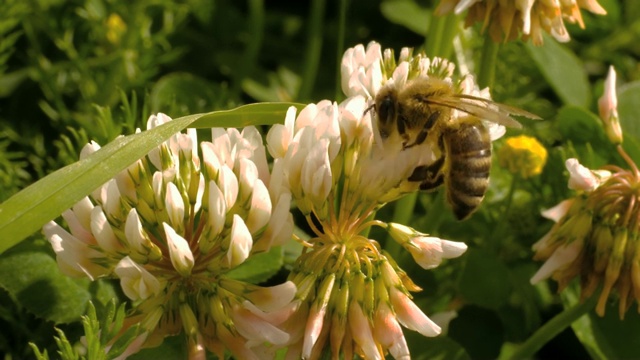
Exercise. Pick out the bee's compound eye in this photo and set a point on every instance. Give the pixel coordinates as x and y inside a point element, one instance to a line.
<point>386,110</point>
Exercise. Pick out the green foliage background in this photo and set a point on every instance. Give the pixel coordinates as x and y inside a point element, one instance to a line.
<point>70,72</point>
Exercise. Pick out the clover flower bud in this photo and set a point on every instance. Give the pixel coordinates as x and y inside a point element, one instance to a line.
<point>608,108</point>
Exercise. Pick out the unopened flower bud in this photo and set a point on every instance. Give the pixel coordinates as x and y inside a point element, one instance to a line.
<point>608,108</point>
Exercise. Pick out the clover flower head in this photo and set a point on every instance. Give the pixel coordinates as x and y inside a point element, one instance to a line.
<point>506,20</point>
<point>353,298</point>
<point>523,155</point>
<point>596,235</point>
<point>172,225</point>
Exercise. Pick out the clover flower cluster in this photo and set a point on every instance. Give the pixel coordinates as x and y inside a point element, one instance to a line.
<point>172,225</point>
<point>354,297</point>
<point>597,233</point>
<point>506,20</point>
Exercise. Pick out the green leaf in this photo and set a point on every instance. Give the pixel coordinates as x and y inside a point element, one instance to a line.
<point>408,14</point>
<point>563,70</point>
<point>485,279</point>
<point>606,337</point>
<point>259,267</point>
<point>27,211</point>
<point>628,109</point>
<point>580,125</point>
<point>33,279</point>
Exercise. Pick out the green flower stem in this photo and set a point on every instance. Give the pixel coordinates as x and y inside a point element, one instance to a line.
<point>552,328</point>
<point>250,56</point>
<point>489,57</point>
<point>342,23</point>
<point>402,214</point>
<point>314,47</point>
<point>442,30</point>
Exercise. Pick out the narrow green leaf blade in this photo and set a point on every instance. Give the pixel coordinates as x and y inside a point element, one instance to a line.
<point>563,70</point>
<point>27,211</point>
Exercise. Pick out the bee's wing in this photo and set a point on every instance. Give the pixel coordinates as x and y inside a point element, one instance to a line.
<point>484,109</point>
<point>503,107</point>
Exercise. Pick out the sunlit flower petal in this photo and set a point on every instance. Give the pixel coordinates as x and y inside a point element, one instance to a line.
<point>137,283</point>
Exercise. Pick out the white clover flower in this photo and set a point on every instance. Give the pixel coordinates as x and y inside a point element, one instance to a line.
<point>170,227</point>
<point>339,172</point>
<point>594,236</point>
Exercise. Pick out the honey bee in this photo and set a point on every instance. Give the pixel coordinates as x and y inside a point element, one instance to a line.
<point>421,111</point>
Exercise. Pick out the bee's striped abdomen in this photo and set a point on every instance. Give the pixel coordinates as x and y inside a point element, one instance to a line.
<point>468,149</point>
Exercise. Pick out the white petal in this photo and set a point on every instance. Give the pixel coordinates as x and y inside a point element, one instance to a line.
<point>241,243</point>
<point>562,257</point>
<point>228,183</point>
<point>260,211</point>
<point>557,212</point>
<point>174,205</point>
<point>217,209</point>
<point>410,315</point>
<point>273,298</point>
<point>222,146</point>
<point>89,149</point>
<point>179,251</point>
<point>136,282</point>
<point>76,228</point>
<point>255,329</point>
<point>74,257</point>
<point>103,232</point>
<point>388,333</point>
<point>361,332</point>
<point>581,177</point>
<point>247,174</point>
<point>278,140</point>
<point>210,160</point>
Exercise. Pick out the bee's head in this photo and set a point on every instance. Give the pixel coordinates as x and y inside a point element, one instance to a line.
<point>386,107</point>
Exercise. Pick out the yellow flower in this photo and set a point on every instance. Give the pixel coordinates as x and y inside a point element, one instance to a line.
<point>506,19</point>
<point>115,28</point>
<point>523,155</point>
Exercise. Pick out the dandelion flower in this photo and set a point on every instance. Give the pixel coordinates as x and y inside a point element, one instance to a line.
<point>523,155</point>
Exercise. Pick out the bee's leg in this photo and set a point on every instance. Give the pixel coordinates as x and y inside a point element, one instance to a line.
<point>430,176</point>
<point>401,125</point>
<point>422,135</point>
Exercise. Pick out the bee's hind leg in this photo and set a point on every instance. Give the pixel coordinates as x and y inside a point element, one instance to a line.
<point>430,176</point>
